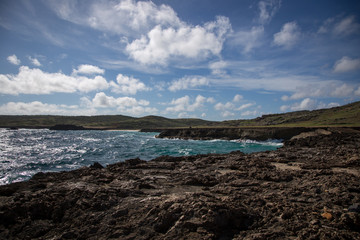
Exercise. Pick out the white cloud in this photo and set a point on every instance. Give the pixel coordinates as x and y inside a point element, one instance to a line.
<point>244,106</point>
<point>357,92</point>
<point>39,108</point>
<point>128,85</point>
<point>232,106</point>
<point>188,82</point>
<point>284,108</point>
<point>223,107</point>
<point>340,27</point>
<point>161,44</point>
<point>184,104</point>
<point>87,69</point>
<point>153,34</point>
<point>226,114</point>
<point>268,9</point>
<point>250,113</point>
<point>35,81</point>
<point>217,68</point>
<point>248,39</point>
<point>346,64</point>
<point>285,98</point>
<point>126,105</point>
<point>307,104</point>
<point>237,98</point>
<point>346,26</point>
<point>288,36</point>
<point>126,17</point>
<point>103,101</point>
<point>227,108</point>
<point>326,89</point>
<point>35,61</point>
<point>210,100</point>
<point>13,60</point>
<point>344,90</point>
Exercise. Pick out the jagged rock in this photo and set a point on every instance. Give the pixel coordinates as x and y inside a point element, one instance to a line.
<point>270,195</point>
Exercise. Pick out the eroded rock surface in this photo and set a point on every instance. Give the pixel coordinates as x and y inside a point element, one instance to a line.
<point>253,133</point>
<point>308,189</point>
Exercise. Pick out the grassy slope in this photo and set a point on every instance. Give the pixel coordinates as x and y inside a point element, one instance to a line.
<point>347,115</point>
<point>109,121</point>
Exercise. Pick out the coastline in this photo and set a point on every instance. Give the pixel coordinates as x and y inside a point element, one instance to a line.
<point>309,188</point>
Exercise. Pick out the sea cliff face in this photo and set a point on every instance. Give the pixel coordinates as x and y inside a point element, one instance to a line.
<point>254,133</point>
<point>308,189</point>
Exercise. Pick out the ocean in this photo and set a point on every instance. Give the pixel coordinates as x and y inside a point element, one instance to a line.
<point>25,152</point>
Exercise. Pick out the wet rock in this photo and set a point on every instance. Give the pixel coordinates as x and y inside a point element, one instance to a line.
<point>269,195</point>
<point>96,165</point>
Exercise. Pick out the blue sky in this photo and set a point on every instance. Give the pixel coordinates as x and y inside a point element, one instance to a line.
<point>215,60</point>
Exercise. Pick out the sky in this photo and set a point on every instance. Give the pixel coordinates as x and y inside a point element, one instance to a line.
<point>215,60</point>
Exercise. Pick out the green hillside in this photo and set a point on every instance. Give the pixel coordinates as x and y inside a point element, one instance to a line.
<point>105,122</point>
<point>344,116</point>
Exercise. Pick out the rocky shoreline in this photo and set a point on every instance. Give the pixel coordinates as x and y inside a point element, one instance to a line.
<point>252,133</point>
<point>308,189</point>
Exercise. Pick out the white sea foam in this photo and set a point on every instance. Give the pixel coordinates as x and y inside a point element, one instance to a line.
<point>25,152</point>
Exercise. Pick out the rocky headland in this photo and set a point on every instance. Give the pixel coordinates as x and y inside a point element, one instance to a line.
<point>307,189</point>
<point>230,133</point>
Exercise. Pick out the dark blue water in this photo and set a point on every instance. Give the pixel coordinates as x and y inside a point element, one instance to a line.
<point>25,152</point>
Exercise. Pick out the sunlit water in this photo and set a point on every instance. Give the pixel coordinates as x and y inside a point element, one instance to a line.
<point>25,152</point>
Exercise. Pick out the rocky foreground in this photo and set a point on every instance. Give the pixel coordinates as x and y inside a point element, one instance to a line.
<point>308,189</point>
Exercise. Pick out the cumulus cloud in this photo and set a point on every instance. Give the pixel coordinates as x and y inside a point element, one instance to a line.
<point>39,108</point>
<point>307,104</point>
<point>127,85</point>
<point>35,81</point>
<point>102,100</point>
<point>288,36</point>
<point>346,64</point>
<point>228,107</point>
<point>35,61</point>
<point>87,69</point>
<point>167,36</point>
<point>186,41</point>
<point>237,98</point>
<point>217,68</point>
<point>184,104</point>
<point>223,107</point>
<point>126,105</point>
<point>125,17</point>
<point>13,60</point>
<point>227,114</point>
<point>188,82</point>
<point>267,10</point>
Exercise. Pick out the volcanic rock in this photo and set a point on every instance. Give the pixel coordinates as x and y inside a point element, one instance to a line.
<point>280,194</point>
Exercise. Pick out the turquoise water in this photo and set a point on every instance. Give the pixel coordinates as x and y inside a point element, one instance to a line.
<point>25,152</point>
